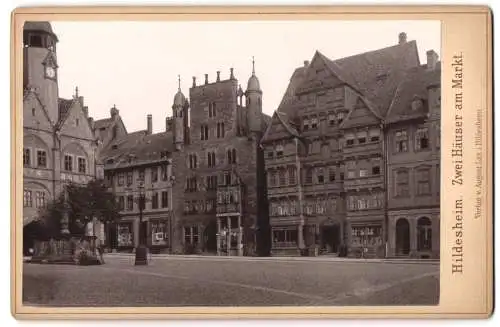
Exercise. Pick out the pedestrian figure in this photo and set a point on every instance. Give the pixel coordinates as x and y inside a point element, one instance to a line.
<point>100,250</point>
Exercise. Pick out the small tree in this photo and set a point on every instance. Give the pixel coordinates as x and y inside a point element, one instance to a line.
<point>82,203</point>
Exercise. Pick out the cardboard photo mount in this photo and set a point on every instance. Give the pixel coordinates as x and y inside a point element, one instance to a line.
<point>466,31</point>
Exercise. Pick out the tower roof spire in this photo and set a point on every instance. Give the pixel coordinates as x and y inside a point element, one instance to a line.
<point>76,92</point>
<point>179,80</point>
<point>253,66</point>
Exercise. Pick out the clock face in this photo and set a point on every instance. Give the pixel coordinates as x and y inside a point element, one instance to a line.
<point>50,71</point>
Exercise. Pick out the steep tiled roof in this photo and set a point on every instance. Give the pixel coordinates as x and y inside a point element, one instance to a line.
<point>375,74</point>
<point>285,120</point>
<point>137,148</point>
<point>414,85</point>
<point>98,124</point>
<point>289,96</point>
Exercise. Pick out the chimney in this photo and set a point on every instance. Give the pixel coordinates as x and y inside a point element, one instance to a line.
<point>306,63</point>
<point>232,73</point>
<point>86,111</point>
<point>194,81</point>
<point>218,76</point>
<point>150,124</point>
<point>432,59</point>
<point>206,78</point>
<point>402,37</point>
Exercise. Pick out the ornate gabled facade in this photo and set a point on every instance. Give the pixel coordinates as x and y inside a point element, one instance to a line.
<point>58,136</point>
<point>327,152</point>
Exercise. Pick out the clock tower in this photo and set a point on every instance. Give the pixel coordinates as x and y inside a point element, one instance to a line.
<point>40,65</point>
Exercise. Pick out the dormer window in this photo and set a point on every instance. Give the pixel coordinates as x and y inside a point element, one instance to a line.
<point>114,147</point>
<point>417,103</point>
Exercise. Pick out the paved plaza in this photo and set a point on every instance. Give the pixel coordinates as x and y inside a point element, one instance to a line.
<point>219,281</point>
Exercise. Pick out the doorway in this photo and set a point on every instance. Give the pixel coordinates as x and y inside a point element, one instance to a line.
<point>210,237</point>
<point>402,237</point>
<point>330,238</point>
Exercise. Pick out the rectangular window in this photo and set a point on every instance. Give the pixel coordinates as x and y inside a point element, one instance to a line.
<point>279,151</point>
<point>376,170</point>
<point>26,157</point>
<point>320,176</point>
<point>154,201</point>
<point>68,162</point>
<point>82,165</point>
<point>423,182</point>
<point>130,202</point>
<point>292,176</point>
<point>363,173</point>
<point>130,176</point>
<point>282,177</point>
<point>41,158</point>
<point>154,174</point>
<point>121,203</point>
<point>314,123</point>
<point>204,132</point>
<point>351,174</point>
<point>331,174</point>
<point>142,173</point>
<point>121,179</point>
<point>164,199</point>
<point>309,176</point>
<point>402,183</point>
<point>374,135</point>
<point>270,154</point>
<point>401,141</point>
<point>40,199</point>
<point>27,198</point>
<point>422,139</point>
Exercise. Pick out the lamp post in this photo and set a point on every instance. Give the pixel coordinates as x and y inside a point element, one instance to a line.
<point>141,251</point>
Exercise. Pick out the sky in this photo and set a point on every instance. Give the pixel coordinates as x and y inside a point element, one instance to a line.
<point>134,65</point>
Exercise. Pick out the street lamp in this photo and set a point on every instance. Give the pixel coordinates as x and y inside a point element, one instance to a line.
<point>141,252</point>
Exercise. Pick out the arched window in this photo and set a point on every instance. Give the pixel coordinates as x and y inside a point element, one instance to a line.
<point>424,232</point>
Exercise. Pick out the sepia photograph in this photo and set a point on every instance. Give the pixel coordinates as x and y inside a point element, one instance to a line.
<point>231,163</point>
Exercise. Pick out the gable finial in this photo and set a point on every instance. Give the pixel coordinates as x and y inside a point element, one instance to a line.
<point>253,65</point>
<point>179,79</point>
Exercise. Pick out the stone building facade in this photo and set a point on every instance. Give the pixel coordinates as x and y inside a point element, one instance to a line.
<point>208,193</point>
<point>330,162</point>
<point>138,164</point>
<point>58,137</point>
